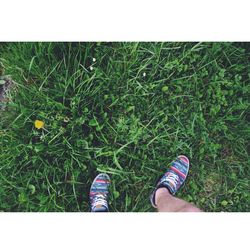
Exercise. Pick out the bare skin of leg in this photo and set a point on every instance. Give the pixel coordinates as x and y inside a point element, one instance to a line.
<point>168,203</point>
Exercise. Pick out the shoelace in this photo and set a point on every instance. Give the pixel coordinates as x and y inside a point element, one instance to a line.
<point>99,200</point>
<point>173,178</point>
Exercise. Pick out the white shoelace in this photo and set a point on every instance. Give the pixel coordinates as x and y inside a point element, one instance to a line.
<point>173,178</point>
<point>99,200</point>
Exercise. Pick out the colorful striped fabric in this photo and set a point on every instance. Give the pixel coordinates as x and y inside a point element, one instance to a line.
<point>99,192</point>
<point>174,177</point>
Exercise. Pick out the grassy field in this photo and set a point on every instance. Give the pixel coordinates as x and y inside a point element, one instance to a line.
<point>127,109</point>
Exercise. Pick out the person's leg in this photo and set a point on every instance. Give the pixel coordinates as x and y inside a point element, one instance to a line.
<point>163,198</point>
<point>166,202</point>
<point>99,193</point>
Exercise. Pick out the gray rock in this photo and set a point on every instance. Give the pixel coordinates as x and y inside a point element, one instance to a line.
<point>5,86</point>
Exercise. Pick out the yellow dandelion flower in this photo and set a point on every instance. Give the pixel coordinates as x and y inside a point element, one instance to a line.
<point>39,124</point>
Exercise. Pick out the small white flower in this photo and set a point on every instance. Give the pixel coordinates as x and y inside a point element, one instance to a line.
<point>144,74</point>
<point>94,59</point>
<point>42,137</point>
<point>91,68</point>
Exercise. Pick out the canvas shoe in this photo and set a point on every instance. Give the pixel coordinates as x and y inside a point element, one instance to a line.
<point>173,178</point>
<point>99,193</point>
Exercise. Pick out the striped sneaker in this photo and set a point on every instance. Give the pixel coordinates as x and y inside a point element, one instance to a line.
<point>173,178</point>
<point>99,192</point>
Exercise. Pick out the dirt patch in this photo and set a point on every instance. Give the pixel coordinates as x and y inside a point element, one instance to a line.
<point>212,184</point>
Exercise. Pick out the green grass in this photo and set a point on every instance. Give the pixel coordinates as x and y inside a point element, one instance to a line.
<point>140,106</point>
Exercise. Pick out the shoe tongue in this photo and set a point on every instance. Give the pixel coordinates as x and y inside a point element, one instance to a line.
<point>100,208</point>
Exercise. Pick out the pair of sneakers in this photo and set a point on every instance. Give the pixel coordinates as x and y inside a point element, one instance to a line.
<point>173,179</point>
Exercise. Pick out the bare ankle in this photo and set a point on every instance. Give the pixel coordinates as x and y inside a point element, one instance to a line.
<point>189,208</point>
<point>161,193</point>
